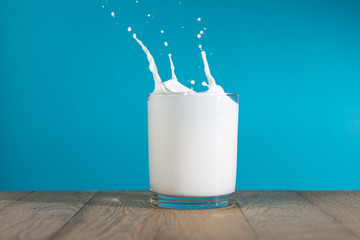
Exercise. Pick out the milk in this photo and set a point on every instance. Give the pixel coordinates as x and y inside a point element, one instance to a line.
<point>192,144</point>
<point>192,136</point>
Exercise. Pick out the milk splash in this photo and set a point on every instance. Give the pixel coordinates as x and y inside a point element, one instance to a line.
<point>170,86</point>
<point>159,86</point>
<point>173,85</point>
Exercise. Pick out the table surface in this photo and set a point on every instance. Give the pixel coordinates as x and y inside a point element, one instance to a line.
<point>129,215</point>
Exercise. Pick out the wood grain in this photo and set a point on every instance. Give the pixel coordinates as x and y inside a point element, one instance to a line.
<point>114,215</point>
<point>344,206</point>
<point>40,214</point>
<point>129,215</point>
<point>228,223</point>
<point>287,215</point>
<point>7,198</point>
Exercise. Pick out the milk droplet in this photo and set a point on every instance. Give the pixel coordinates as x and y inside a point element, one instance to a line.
<point>204,28</point>
<point>204,84</point>
<point>200,46</point>
<point>148,15</point>
<point>198,36</point>
<point>199,19</point>
<point>201,32</point>
<point>129,29</point>
<point>182,27</point>
<point>165,43</point>
<point>210,53</point>
<point>162,31</point>
<point>102,6</point>
<point>179,2</point>
<point>137,1</point>
<point>112,14</point>
<point>192,82</point>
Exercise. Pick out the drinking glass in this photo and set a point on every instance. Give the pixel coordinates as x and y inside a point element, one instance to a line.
<point>192,150</point>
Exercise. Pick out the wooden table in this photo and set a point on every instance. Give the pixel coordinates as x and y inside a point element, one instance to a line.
<point>128,215</point>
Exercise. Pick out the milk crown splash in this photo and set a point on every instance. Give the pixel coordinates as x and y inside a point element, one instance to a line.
<point>173,85</point>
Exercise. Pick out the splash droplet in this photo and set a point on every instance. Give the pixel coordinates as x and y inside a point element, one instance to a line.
<point>200,46</point>
<point>162,31</point>
<point>165,43</point>
<point>201,32</point>
<point>148,15</point>
<point>192,82</point>
<point>199,19</point>
<point>102,6</point>
<point>198,36</point>
<point>182,27</point>
<point>112,14</point>
<point>129,29</point>
<point>204,84</point>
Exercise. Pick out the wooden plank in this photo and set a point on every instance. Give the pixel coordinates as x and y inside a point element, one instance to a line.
<point>288,215</point>
<point>114,215</point>
<point>226,223</point>
<point>344,206</point>
<point>41,214</point>
<point>129,215</point>
<point>7,198</point>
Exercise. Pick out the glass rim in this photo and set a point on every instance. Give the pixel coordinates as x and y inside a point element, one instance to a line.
<point>193,95</point>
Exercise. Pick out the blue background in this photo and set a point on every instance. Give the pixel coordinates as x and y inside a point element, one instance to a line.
<point>73,87</point>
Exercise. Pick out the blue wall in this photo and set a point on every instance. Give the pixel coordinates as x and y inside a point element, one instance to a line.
<point>73,87</point>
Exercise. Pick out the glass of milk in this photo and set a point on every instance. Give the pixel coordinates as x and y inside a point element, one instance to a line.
<point>192,149</point>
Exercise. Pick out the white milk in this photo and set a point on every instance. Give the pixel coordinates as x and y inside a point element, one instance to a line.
<point>192,144</point>
<point>192,137</point>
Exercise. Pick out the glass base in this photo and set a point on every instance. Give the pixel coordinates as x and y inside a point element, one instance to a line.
<point>191,203</point>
